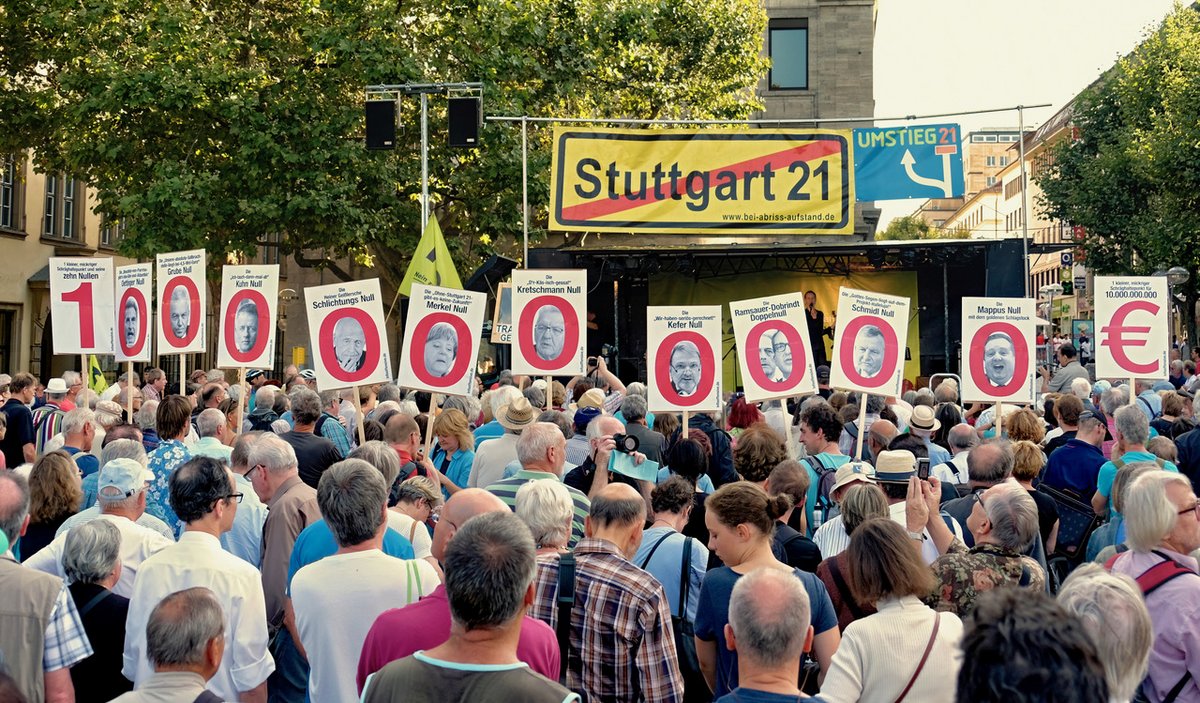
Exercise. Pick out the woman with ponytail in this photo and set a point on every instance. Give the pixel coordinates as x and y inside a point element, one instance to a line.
<point>741,520</point>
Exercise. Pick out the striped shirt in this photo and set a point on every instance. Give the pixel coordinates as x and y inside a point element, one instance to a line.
<point>506,490</point>
<point>628,654</point>
<point>47,422</point>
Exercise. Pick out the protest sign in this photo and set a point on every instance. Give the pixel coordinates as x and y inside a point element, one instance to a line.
<point>868,349</point>
<point>998,350</point>
<point>441,340</point>
<point>182,302</point>
<point>81,305</point>
<point>249,296</point>
<point>346,331</point>
<point>773,347</point>
<point>1132,321</point>
<point>134,317</point>
<point>502,315</point>
<point>683,344</point>
<point>548,308</point>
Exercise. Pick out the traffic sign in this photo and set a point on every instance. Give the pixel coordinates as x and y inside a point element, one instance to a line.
<point>892,163</point>
<point>1066,258</point>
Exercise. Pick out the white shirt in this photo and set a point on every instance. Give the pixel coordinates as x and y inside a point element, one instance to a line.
<point>412,531</point>
<point>490,459</point>
<point>946,475</point>
<point>111,392</point>
<point>137,545</point>
<point>832,540</point>
<point>198,560</point>
<point>332,632</point>
<point>87,514</point>
<point>245,539</point>
<point>880,652</point>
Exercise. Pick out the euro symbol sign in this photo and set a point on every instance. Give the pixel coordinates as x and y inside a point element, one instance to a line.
<point>1116,340</point>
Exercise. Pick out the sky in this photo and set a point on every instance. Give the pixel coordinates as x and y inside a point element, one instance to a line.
<point>936,56</point>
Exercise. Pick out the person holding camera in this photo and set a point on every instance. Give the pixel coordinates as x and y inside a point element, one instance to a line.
<point>605,435</point>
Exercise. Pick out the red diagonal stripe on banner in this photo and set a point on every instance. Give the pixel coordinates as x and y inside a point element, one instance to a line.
<point>779,161</point>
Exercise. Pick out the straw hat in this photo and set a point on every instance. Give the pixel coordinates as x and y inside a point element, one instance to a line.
<point>517,415</point>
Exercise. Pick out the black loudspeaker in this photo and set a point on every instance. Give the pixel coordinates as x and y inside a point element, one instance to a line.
<point>465,116</point>
<point>381,124</point>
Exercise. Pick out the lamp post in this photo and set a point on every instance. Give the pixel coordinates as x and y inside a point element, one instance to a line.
<point>1176,277</point>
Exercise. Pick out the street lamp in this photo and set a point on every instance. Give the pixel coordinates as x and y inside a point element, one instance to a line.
<point>1176,277</point>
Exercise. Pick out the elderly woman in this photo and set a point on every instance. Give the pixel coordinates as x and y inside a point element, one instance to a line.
<point>92,563</point>
<point>741,520</point>
<point>1004,521</point>
<point>418,500</point>
<point>55,494</point>
<point>862,502</point>
<point>906,650</point>
<point>546,508</point>
<point>1028,462</point>
<point>1114,615</point>
<point>455,450</point>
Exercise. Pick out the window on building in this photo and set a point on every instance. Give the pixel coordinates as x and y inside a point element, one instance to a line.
<point>990,161</point>
<point>1003,160</point>
<point>977,138</point>
<point>787,43</point>
<point>991,181</point>
<point>111,232</point>
<point>64,208</point>
<point>10,194</point>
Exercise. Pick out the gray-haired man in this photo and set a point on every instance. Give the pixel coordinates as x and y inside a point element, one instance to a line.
<point>769,629</point>
<point>185,640</point>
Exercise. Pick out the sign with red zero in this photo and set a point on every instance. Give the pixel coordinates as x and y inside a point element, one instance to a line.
<point>249,296</point>
<point>548,307</point>
<point>441,340</point>
<point>999,335</point>
<point>1132,324</point>
<point>347,335</point>
<point>182,302</point>
<point>684,346</point>
<point>868,351</point>
<point>133,313</point>
<point>81,305</point>
<point>773,347</point>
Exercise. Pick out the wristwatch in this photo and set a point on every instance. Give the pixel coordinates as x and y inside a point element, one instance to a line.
<point>919,536</point>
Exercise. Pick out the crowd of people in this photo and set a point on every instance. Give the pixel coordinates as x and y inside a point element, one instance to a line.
<point>275,543</point>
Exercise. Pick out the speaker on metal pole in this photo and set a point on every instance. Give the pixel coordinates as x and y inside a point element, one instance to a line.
<point>465,117</point>
<point>381,124</point>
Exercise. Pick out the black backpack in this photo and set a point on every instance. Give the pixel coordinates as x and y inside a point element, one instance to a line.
<point>826,478</point>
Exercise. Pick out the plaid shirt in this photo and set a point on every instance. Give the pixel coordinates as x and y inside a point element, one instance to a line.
<point>622,645</point>
<point>66,643</point>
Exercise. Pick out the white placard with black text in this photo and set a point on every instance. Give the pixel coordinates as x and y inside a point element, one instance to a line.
<point>999,350</point>
<point>441,340</point>
<point>81,304</point>
<point>249,298</point>
<point>550,333</point>
<point>774,351</point>
<point>683,347</point>
<point>868,351</point>
<point>182,302</point>
<point>347,334</point>
<point>135,317</point>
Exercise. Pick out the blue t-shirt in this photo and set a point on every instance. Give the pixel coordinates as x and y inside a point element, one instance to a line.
<point>1108,472</point>
<point>491,430</point>
<point>666,565</point>
<point>87,462</point>
<point>316,542</point>
<point>749,695</point>
<point>713,615</point>
<point>705,483</point>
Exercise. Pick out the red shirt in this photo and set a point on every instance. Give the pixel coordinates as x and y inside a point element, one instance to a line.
<point>400,632</point>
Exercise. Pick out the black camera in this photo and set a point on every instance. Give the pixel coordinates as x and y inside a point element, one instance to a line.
<point>626,443</point>
<point>923,468</point>
<point>591,361</point>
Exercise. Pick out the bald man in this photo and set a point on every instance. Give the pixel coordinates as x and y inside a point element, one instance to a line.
<point>630,653</point>
<point>399,632</point>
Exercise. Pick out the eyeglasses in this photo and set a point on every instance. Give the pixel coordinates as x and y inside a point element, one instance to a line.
<point>540,330</point>
<point>1195,508</point>
<point>978,496</point>
<point>254,468</point>
<point>238,496</point>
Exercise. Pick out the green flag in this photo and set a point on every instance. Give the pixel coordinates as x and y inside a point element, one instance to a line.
<point>431,263</point>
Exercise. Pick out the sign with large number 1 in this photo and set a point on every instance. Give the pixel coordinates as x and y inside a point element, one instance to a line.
<point>81,305</point>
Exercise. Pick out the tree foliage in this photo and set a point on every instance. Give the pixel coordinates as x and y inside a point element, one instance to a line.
<point>911,227</point>
<point>1131,178</point>
<point>230,125</point>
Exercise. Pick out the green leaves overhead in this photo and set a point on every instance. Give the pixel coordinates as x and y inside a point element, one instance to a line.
<point>231,124</point>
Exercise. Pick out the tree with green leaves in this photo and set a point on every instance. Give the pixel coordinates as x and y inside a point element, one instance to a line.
<point>911,227</point>
<point>237,124</point>
<point>1130,177</point>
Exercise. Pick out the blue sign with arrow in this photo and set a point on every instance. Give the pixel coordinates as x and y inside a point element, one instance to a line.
<point>921,161</point>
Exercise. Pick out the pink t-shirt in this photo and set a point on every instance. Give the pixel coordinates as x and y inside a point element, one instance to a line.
<point>400,632</point>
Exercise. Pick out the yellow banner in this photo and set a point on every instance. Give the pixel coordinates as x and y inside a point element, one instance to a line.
<point>702,181</point>
<point>684,290</point>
